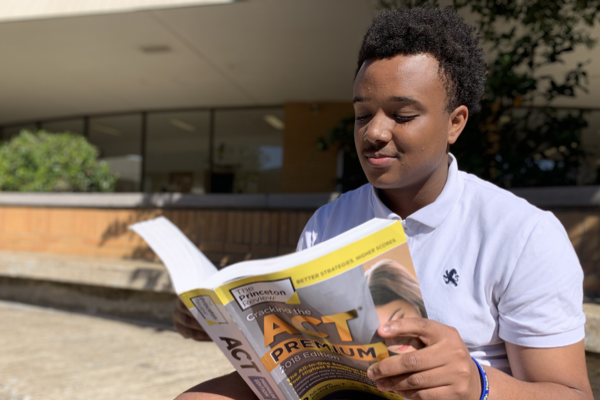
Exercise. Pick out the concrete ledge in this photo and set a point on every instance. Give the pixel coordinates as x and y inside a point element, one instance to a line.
<point>152,308</point>
<point>167,200</point>
<point>561,196</point>
<point>546,197</point>
<point>137,291</point>
<point>125,288</point>
<point>113,273</point>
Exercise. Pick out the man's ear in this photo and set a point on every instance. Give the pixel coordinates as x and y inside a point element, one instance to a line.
<point>457,121</point>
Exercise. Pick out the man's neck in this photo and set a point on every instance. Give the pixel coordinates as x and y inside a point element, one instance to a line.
<point>406,201</point>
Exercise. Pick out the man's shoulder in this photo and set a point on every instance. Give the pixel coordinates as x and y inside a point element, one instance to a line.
<point>494,201</point>
<point>505,221</point>
<point>346,212</point>
<point>347,202</point>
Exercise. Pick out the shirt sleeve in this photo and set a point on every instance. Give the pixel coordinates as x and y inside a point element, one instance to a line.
<point>308,236</point>
<point>542,304</point>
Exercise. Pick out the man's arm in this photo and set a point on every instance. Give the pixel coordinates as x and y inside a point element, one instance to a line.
<point>552,373</point>
<point>228,387</point>
<point>443,369</point>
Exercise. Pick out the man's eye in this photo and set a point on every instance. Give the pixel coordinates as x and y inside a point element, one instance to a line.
<point>362,117</point>
<point>403,119</point>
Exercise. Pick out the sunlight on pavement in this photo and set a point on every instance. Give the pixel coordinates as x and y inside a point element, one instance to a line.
<point>51,355</point>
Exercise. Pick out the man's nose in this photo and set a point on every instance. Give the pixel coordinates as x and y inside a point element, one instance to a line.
<point>379,129</point>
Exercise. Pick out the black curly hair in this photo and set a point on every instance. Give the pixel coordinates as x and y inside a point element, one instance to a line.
<point>439,32</point>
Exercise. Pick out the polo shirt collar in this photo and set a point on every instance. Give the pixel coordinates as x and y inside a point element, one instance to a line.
<point>435,213</point>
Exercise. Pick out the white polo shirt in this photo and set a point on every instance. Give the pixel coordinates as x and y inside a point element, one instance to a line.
<point>519,278</point>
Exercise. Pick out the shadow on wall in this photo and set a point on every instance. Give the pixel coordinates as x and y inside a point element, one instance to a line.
<point>118,230</point>
<point>151,279</point>
<point>225,236</point>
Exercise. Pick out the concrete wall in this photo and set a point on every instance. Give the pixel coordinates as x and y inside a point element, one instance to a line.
<point>225,236</point>
<point>231,228</point>
<point>245,227</point>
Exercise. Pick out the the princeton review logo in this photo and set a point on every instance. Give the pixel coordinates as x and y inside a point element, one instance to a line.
<point>281,291</point>
<point>209,310</point>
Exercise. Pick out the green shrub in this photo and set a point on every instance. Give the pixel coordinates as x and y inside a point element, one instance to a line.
<point>53,162</point>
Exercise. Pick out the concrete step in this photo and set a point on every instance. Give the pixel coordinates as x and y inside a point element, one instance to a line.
<point>92,271</point>
<point>128,289</point>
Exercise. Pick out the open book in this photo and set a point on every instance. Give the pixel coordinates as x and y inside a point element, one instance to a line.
<point>303,325</point>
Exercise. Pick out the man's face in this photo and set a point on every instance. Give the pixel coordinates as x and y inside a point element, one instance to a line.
<point>402,128</point>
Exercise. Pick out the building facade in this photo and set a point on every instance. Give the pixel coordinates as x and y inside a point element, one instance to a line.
<point>200,96</point>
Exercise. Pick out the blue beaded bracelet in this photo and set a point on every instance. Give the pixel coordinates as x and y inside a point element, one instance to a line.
<point>485,384</point>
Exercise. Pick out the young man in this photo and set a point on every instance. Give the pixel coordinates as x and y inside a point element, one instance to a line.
<point>499,277</point>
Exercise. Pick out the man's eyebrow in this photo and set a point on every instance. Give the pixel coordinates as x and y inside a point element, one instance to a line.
<point>404,99</point>
<point>397,99</point>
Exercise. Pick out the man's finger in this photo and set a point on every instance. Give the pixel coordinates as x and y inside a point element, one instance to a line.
<point>182,330</point>
<point>416,381</point>
<point>442,392</point>
<point>185,319</point>
<point>191,333</point>
<point>182,307</point>
<point>427,330</point>
<point>421,360</point>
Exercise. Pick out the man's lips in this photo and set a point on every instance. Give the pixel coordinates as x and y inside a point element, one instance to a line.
<point>378,159</point>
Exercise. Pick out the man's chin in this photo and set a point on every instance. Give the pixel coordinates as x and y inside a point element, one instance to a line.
<point>396,179</point>
<point>385,182</point>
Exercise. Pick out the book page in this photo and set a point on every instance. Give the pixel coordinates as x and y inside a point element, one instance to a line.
<point>188,267</point>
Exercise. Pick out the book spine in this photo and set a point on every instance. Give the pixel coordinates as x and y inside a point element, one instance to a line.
<point>223,330</point>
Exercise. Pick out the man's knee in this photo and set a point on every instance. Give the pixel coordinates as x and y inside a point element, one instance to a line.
<point>228,387</point>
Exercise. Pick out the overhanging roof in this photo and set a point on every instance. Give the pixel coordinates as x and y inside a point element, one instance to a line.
<point>251,52</point>
<point>14,10</point>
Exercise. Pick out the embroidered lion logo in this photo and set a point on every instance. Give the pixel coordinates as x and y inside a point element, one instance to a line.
<point>451,277</point>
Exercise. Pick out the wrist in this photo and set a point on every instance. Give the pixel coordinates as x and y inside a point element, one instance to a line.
<point>482,382</point>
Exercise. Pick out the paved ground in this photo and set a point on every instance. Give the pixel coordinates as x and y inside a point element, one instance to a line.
<point>54,355</point>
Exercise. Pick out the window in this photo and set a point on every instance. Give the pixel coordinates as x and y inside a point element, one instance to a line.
<point>70,125</point>
<point>177,152</point>
<point>247,151</point>
<point>10,131</point>
<point>171,150</point>
<point>118,139</point>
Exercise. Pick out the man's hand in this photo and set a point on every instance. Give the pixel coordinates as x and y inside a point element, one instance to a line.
<point>185,323</point>
<point>443,369</point>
